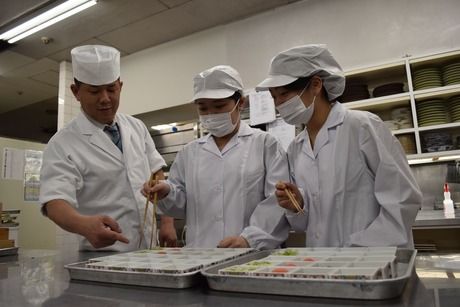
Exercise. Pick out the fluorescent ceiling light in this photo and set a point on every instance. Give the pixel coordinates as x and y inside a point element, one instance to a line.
<point>46,19</point>
<point>161,127</point>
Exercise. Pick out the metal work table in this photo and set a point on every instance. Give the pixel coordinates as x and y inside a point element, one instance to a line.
<point>38,278</point>
<point>436,219</point>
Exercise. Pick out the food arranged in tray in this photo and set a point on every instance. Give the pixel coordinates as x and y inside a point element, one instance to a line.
<point>165,260</point>
<point>353,273</point>
<point>159,267</point>
<point>322,263</point>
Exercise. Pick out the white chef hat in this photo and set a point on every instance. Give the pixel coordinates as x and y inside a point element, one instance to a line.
<point>305,61</point>
<point>217,82</point>
<point>95,64</point>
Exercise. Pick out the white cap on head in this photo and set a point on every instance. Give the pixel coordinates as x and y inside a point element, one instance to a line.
<point>305,61</point>
<point>218,82</point>
<point>95,64</point>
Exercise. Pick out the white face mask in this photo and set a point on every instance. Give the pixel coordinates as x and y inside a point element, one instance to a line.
<point>294,112</point>
<point>219,124</point>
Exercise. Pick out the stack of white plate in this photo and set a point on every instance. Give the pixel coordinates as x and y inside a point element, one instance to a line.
<point>402,117</point>
<point>428,77</point>
<point>451,74</point>
<point>432,112</point>
<point>454,108</point>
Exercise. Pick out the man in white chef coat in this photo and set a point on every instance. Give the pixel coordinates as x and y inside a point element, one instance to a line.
<point>93,168</point>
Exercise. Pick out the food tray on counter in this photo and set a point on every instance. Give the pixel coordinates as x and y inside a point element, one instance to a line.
<point>160,267</point>
<point>9,251</point>
<point>349,273</point>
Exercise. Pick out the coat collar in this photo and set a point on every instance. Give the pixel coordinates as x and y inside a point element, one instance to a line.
<point>335,118</point>
<point>209,144</point>
<point>98,137</point>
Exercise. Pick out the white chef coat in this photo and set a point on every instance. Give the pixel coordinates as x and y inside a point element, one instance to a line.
<point>229,192</point>
<point>358,187</point>
<point>82,166</point>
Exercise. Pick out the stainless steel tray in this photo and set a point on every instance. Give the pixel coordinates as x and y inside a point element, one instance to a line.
<point>79,271</point>
<point>9,251</point>
<point>331,288</point>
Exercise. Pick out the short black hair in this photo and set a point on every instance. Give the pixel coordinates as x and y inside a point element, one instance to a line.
<point>236,96</point>
<point>77,83</point>
<point>300,84</point>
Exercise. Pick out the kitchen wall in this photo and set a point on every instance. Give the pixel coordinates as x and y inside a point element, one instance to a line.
<point>35,231</point>
<point>431,179</point>
<point>358,32</point>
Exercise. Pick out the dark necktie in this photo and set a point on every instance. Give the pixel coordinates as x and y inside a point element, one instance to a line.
<point>114,134</point>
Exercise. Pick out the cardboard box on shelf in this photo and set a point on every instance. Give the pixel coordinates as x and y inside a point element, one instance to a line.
<point>4,232</point>
<point>6,243</point>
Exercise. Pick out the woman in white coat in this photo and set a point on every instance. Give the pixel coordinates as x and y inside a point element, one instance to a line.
<point>349,172</point>
<point>223,184</point>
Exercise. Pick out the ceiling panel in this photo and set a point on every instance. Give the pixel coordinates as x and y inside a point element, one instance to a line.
<point>101,18</point>
<point>18,93</point>
<point>13,9</point>
<point>33,68</point>
<point>12,60</point>
<point>29,69</point>
<point>50,77</point>
<point>64,55</point>
<point>173,3</point>
<point>191,17</point>
<point>151,31</point>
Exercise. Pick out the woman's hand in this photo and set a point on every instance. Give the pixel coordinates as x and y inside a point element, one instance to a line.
<point>234,242</point>
<point>162,188</point>
<point>283,199</point>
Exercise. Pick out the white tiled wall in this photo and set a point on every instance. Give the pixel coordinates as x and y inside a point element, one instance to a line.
<point>68,109</point>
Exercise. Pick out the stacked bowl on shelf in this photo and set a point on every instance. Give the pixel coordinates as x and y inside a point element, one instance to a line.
<point>454,108</point>
<point>402,117</point>
<point>360,91</point>
<point>354,92</point>
<point>388,89</point>
<point>408,143</point>
<point>432,112</point>
<point>437,141</point>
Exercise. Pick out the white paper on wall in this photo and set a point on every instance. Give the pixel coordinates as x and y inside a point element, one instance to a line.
<point>13,164</point>
<point>261,108</point>
<point>33,164</point>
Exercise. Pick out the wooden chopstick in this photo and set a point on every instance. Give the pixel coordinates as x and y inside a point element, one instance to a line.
<point>154,217</point>
<point>145,210</point>
<point>294,201</point>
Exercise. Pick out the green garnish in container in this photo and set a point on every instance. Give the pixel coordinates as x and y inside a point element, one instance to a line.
<point>287,252</point>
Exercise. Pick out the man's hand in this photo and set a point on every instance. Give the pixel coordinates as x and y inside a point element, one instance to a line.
<point>283,199</point>
<point>168,235</point>
<point>101,231</point>
<point>234,242</point>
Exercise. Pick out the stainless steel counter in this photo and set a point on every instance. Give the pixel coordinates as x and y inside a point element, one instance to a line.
<point>436,218</point>
<point>38,278</point>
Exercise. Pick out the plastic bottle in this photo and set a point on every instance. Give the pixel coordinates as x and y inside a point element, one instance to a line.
<point>449,211</point>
